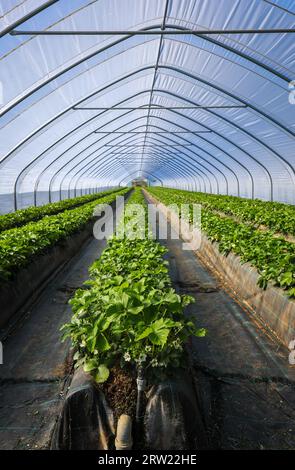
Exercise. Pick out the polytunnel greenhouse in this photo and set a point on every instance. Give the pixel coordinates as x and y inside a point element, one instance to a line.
<point>147,227</point>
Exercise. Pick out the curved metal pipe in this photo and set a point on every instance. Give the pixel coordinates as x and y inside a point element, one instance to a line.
<point>107,171</point>
<point>103,49</point>
<point>209,163</point>
<point>103,162</point>
<point>212,156</point>
<point>186,117</point>
<point>212,130</point>
<point>175,69</point>
<point>173,165</point>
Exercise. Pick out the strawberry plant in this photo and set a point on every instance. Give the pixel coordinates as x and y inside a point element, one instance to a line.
<point>129,311</point>
<point>19,245</point>
<point>272,256</point>
<point>32,214</point>
<point>276,216</point>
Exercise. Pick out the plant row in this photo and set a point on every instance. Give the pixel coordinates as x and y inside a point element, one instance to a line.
<point>19,245</point>
<point>272,256</point>
<point>128,312</point>
<point>32,214</point>
<point>276,216</point>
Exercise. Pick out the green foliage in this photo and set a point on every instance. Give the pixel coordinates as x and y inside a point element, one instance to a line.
<point>276,216</point>
<point>272,256</point>
<point>19,245</point>
<point>129,311</point>
<point>32,214</point>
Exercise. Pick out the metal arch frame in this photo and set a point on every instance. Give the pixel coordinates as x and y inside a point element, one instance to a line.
<point>194,164</point>
<point>179,169</point>
<point>169,154</point>
<point>94,143</point>
<point>114,159</point>
<point>103,163</point>
<point>220,162</point>
<point>174,170</point>
<point>175,155</point>
<point>172,173</point>
<point>27,17</point>
<point>183,116</point>
<point>208,162</point>
<point>88,163</point>
<point>194,161</point>
<point>137,71</point>
<point>143,68</point>
<point>204,151</point>
<point>165,156</point>
<point>251,136</point>
<point>108,171</point>
<point>242,130</point>
<point>254,108</point>
<point>212,156</point>
<point>208,39</point>
<point>173,164</point>
<point>69,148</point>
<point>94,162</point>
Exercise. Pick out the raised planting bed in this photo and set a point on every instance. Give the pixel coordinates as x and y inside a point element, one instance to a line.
<point>265,299</point>
<point>129,326</point>
<point>170,415</point>
<point>32,253</point>
<point>32,214</point>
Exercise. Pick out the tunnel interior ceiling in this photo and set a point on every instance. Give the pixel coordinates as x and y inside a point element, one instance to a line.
<point>208,113</point>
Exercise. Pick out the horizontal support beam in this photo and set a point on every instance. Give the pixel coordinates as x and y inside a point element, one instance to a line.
<point>145,108</point>
<point>149,146</point>
<point>152,132</point>
<point>166,32</point>
<point>130,153</point>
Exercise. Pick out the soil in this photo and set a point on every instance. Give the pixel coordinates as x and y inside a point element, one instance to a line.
<point>121,391</point>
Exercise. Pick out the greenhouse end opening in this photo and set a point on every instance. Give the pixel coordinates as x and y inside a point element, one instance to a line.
<point>147,231</point>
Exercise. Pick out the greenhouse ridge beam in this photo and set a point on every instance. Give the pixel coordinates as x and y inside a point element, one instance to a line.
<point>155,107</point>
<point>147,146</point>
<point>151,132</point>
<point>150,103</point>
<point>150,33</point>
<point>206,38</point>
